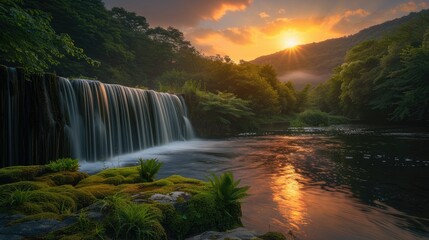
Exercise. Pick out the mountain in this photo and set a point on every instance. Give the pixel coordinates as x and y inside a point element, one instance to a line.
<point>314,62</point>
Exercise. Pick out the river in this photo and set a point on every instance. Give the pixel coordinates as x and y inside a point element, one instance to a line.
<point>345,182</point>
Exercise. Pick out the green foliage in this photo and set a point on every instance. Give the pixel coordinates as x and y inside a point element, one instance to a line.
<point>63,164</point>
<point>28,40</point>
<point>228,195</point>
<point>316,118</point>
<point>16,197</point>
<point>383,79</point>
<point>149,168</point>
<point>112,202</point>
<point>137,221</point>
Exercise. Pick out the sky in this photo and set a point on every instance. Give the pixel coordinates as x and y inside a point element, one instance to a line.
<point>247,29</point>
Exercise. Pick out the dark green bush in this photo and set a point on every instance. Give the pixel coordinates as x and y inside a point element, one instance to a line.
<point>149,168</point>
<point>63,164</point>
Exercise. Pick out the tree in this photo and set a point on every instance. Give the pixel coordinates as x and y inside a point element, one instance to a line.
<point>28,40</point>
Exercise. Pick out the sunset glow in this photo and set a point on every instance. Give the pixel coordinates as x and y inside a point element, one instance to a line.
<point>291,42</point>
<point>247,29</point>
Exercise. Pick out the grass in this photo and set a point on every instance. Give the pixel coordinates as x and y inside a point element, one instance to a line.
<point>63,164</point>
<point>137,221</point>
<point>149,168</point>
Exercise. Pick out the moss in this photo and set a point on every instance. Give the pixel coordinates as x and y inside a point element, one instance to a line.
<point>114,176</point>
<point>180,179</point>
<point>99,190</point>
<point>125,172</point>
<point>20,173</point>
<point>23,185</point>
<point>273,236</point>
<point>115,180</point>
<point>54,202</point>
<point>62,178</point>
<point>38,216</point>
<point>81,197</point>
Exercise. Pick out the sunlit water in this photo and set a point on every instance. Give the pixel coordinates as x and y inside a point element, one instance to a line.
<point>348,183</point>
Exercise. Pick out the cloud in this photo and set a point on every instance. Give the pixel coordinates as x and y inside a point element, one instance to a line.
<point>263,15</point>
<point>283,24</point>
<point>281,11</point>
<point>350,21</point>
<point>180,13</point>
<point>242,36</point>
<point>409,7</point>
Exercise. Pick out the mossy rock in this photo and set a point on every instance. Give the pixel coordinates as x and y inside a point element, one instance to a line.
<point>62,178</point>
<point>23,185</point>
<point>114,176</point>
<point>99,190</point>
<point>20,173</point>
<point>81,197</point>
<point>273,236</point>
<point>54,202</point>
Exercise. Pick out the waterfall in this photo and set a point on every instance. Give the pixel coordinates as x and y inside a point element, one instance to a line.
<point>83,119</point>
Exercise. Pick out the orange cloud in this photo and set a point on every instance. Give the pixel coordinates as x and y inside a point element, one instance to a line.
<point>263,15</point>
<point>180,13</point>
<point>410,7</point>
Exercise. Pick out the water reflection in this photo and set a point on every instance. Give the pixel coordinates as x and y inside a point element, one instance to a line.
<point>321,184</point>
<point>288,196</point>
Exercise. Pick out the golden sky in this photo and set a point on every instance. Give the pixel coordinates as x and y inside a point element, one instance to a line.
<point>246,29</point>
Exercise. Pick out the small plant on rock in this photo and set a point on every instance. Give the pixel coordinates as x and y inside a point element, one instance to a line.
<point>149,168</point>
<point>63,164</point>
<point>228,195</point>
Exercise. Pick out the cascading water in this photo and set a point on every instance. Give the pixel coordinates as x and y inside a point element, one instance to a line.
<point>84,119</point>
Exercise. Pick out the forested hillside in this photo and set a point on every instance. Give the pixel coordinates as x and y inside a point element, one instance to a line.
<point>84,39</point>
<point>321,58</point>
<point>384,79</point>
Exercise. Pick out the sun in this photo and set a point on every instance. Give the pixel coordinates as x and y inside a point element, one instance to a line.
<point>291,42</point>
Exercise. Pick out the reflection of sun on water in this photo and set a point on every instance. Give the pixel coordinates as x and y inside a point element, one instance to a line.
<point>288,196</point>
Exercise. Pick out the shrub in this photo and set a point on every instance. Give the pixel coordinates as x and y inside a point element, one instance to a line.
<point>149,168</point>
<point>228,195</point>
<point>137,221</point>
<point>63,164</point>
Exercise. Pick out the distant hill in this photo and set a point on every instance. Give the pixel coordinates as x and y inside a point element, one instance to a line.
<point>314,62</point>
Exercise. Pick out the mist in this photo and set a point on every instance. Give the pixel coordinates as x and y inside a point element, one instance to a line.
<point>302,78</point>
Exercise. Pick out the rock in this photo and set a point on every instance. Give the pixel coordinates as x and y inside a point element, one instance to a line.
<point>172,198</point>
<point>235,234</point>
<point>35,227</point>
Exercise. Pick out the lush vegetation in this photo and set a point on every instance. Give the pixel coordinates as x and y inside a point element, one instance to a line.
<point>149,168</point>
<point>383,79</point>
<point>63,164</point>
<point>321,58</point>
<point>117,46</point>
<point>122,201</point>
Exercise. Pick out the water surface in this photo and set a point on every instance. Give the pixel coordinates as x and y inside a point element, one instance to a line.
<point>321,183</point>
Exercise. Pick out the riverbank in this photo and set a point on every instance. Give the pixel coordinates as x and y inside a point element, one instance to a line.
<point>38,203</point>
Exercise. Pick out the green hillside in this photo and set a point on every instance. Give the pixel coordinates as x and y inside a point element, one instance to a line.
<point>318,60</point>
